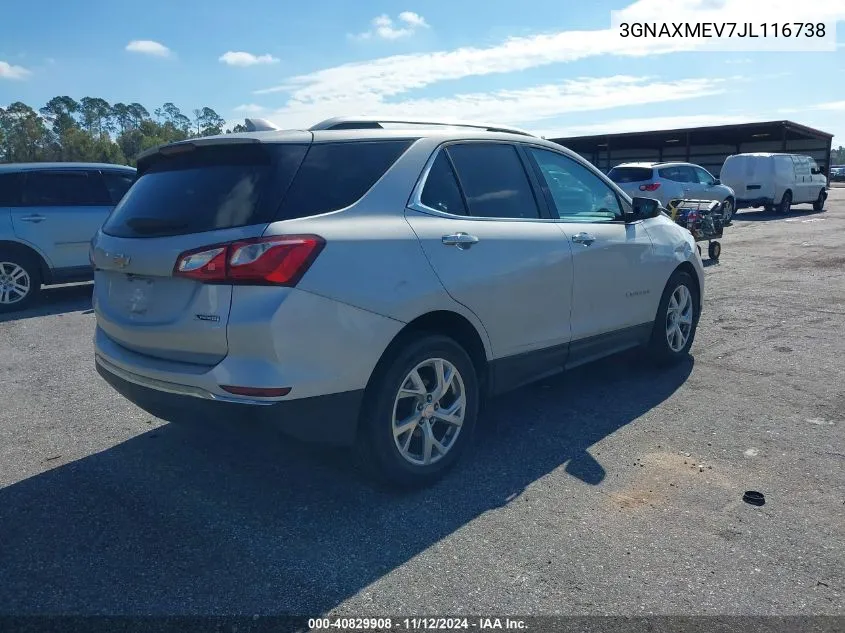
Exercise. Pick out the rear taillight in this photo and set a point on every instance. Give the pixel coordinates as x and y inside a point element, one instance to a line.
<point>278,260</point>
<point>653,186</point>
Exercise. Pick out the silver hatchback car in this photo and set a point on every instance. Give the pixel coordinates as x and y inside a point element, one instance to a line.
<point>668,181</point>
<point>369,286</point>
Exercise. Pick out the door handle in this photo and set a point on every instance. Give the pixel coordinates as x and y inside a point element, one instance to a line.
<point>33,218</point>
<point>461,240</point>
<point>583,238</point>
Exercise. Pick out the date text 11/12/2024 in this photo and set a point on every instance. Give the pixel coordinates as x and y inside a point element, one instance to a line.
<point>417,624</point>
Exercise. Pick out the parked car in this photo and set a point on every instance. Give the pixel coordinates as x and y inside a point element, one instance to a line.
<point>837,174</point>
<point>48,214</point>
<point>775,180</point>
<point>669,181</point>
<point>368,286</point>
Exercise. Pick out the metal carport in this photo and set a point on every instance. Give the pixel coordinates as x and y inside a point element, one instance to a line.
<point>705,146</point>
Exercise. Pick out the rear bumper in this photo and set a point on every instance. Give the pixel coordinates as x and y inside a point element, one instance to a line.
<point>330,419</point>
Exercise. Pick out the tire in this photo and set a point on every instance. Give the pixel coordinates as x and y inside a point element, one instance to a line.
<point>17,270</point>
<point>659,348</point>
<point>785,202</point>
<point>818,205</point>
<point>728,211</point>
<point>714,250</point>
<point>398,459</point>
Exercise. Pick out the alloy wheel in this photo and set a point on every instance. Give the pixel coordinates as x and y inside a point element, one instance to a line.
<point>429,411</point>
<point>679,315</point>
<point>15,283</point>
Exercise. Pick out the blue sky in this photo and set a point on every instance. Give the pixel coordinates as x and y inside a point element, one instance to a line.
<point>548,66</point>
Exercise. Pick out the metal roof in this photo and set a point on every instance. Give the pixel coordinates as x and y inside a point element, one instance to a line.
<point>711,135</point>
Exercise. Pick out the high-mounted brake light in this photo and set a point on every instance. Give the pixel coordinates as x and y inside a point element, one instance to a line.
<point>278,260</point>
<point>653,186</point>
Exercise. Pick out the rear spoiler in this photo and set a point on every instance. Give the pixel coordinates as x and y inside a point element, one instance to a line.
<point>146,157</point>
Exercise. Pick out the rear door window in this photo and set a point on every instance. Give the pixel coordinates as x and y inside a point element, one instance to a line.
<point>334,176</point>
<point>441,191</point>
<point>622,175</point>
<point>206,189</point>
<point>118,184</point>
<point>494,181</point>
<point>64,189</point>
<point>672,173</point>
<point>10,189</point>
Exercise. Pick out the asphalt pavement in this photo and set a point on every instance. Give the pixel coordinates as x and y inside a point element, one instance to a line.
<point>614,489</point>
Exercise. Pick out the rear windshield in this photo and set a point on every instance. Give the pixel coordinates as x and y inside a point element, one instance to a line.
<point>209,188</point>
<point>629,174</point>
<point>227,186</point>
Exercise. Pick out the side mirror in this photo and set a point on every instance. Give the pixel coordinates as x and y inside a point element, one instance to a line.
<point>717,181</point>
<point>815,172</point>
<point>644,208</point>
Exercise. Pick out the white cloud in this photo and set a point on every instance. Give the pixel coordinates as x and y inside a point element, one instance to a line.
<point>414,20</point>
<point>241,58</point>
<point>148,47</point>
<point>830,105</point>
<point>384,27</point>
<point>386,86</point>
<point>250,108</point>
<point>528,105</point>
<point>10,71</point>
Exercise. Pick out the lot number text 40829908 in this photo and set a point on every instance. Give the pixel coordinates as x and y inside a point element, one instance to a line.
<point>417,624</point>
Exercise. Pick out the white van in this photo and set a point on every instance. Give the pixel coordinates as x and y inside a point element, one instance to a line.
<point>774,180</point>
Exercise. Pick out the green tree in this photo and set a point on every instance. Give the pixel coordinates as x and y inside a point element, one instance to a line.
<point>137,114</point>
<point>208,122</point>
<point>97,115</point>
<point>60,112</point>
<point>25,136</point>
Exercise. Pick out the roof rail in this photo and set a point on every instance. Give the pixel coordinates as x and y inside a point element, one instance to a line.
<point>260,125</point>
<point>375,123</point>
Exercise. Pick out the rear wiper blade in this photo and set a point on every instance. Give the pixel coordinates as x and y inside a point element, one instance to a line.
<point>154,225</point>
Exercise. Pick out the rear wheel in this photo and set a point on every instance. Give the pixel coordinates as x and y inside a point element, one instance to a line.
<point>785,202</point>
<point>818,205</point>
<point>420,412</point>
<point>20,281</point>
<point>677,319</point>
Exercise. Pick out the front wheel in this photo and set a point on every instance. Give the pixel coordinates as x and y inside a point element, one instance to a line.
<point>785,202</point>
<point>818,205</point>
<point>419,412</point>
<point>677,319</point>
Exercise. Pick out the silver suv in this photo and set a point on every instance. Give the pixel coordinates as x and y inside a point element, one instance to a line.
<point>362,285</point>
<point>48,214</point>
<point>668,181</point>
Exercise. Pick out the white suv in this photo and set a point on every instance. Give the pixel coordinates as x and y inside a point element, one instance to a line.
<point>361,285</point>
<point>668,181</point>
